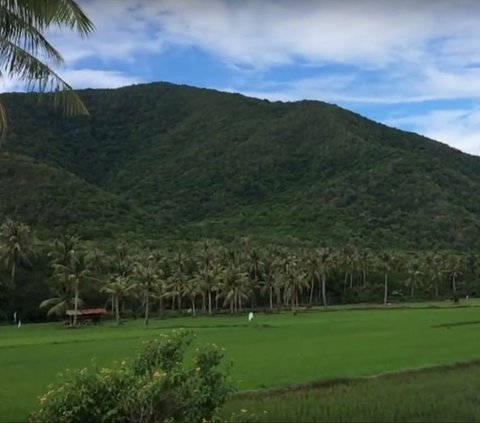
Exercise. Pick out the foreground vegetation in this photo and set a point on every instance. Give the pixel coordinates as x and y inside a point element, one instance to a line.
<point>275,350</point>
<point>157,385</point>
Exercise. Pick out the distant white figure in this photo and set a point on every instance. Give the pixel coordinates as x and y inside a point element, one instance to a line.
<point>15,317</point>
<point>19,324</point>
<point>250,316</point>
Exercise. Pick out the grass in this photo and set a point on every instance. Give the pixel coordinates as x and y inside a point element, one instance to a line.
<point>277,350</point>
<point>447,395</point>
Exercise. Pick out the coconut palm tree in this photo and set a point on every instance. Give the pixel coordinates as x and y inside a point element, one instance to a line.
<point>118,288</point>
<point>294,281</point>
<point>348,260</point>
<point>454,269</point>
<point>192,289</point>
<point>74,272</point>
<point>269,285</point>
<point>313,275</point>
<point>177,280</point>
<point>414,275</point>
<point>16,246</point>
<point>254,266</point>
<point>385,264</point>
<point>365,258</point>
<point>28,56</point>
<point>208,276</point>
<point>145,277</point>
<point>234,286</point>
<point>63,248</point>
<point>63,300</point>
<point>325,265</point>
<point>97,260</point>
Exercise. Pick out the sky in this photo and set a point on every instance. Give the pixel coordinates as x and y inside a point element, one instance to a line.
<point>410,64</point>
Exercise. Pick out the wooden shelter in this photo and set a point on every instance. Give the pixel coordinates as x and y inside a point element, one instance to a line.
<point>87,315</point>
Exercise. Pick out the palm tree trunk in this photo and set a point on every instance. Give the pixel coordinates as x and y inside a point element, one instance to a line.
<point>194,313</point>
<point>385,293</point>
<point>436,288</point>
<point>351,280</point>
<point>454,285</point>
<point>75,311</point>
<point>117,310</point>
<point>324,290</point>
<point>364,277</point>
<point>147,308</point>
<point>271,298</point>
<point>204,303</point>
<point>310,300</point>
<point>209,302</point>
<point>345,283</point>
<point>12,273</point>
<point>173,303</point>
<point>12,279</point>
<point>412,287</point>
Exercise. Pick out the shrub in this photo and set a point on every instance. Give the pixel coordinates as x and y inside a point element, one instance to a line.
<point>156,386</point>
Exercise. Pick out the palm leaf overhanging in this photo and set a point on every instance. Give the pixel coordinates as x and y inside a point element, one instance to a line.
<point>27,55</point>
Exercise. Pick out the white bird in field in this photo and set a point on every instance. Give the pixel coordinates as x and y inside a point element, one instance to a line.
<point>250,316</point>
<point>19,324</point>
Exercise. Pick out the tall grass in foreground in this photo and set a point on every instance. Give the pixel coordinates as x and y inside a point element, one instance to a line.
<point>441,395</point>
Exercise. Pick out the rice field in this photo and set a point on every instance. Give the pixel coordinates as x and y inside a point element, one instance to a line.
<point>275,350</point>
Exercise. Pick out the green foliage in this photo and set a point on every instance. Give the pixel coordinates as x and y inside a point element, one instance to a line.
<point>445,394</point>
<point>158,386</point>
<point>158,163</point>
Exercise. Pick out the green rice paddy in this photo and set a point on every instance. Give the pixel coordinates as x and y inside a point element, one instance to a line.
<point>275,351</point>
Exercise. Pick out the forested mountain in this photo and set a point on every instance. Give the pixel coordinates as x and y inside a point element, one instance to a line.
<point>161,162</point>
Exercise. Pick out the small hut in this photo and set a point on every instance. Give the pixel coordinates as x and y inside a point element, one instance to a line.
<point>87,315</point>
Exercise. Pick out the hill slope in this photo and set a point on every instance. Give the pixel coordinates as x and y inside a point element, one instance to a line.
<point>55,201</point>
<point>199,162</point>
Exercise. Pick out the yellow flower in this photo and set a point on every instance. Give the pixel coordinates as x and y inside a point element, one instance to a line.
<point>159,375</point>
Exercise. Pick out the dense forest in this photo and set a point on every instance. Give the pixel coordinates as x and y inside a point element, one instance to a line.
<point>178,199</point>
<point>161,163</point>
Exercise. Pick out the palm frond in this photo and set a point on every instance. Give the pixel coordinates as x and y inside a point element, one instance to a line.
<point>45,13</point>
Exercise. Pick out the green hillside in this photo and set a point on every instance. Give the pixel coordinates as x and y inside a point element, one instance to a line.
<point>175,162</point>
<point>54,202</point>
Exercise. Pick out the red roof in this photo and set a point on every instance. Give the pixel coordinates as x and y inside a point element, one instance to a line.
<point>94,311</point>
<point>87,311</point>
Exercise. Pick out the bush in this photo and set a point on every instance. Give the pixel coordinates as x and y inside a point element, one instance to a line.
<point>157,386</point>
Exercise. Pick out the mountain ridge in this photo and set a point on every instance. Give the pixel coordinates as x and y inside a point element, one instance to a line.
<point>197,162</point>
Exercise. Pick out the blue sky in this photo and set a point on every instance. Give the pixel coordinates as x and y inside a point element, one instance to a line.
<point>410,64</point>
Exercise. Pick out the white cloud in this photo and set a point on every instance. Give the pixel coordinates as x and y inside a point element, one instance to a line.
<point>459,128</point>
<point>368,51</point>
<point>80,78</point>
<point>96,78</point>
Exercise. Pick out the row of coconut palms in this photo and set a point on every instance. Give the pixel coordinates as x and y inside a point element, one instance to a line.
<point>212,277</point>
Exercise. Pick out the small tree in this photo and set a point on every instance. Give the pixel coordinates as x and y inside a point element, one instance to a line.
<point>156,386</point>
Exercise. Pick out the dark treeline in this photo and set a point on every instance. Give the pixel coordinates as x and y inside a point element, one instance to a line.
<point>40,280</point>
